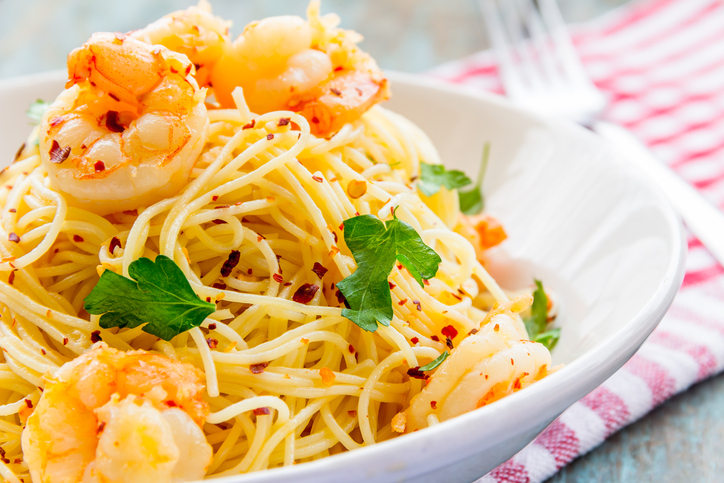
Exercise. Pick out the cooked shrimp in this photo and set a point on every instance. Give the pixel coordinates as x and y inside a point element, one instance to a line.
<point>128,128</point>
<point>115,417</point>
<point>485,367</point>
<point>194,32</point>
<point>308,66</point>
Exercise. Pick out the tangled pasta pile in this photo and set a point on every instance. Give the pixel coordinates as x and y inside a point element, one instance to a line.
<point>246,202</point>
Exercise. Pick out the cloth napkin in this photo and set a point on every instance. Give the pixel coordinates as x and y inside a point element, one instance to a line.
<point>661,63</point>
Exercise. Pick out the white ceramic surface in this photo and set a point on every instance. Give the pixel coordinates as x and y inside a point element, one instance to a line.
<point>598,233</point>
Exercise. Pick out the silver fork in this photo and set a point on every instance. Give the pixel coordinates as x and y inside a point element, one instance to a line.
<point>541,71</point>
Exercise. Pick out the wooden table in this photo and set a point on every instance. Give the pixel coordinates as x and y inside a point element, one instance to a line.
<point>680,441</point>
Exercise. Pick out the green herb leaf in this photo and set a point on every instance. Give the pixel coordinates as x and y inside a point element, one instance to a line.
<point>536,323</point>
<point>433,364</point>
<point>375,246</point>
<point>548,338</point>
<point>472,201</point>
<point>433,176</point>
<point>36,110</point>
<point>159,294</point>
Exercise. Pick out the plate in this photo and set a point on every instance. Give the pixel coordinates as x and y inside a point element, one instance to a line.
<point>599,234</point>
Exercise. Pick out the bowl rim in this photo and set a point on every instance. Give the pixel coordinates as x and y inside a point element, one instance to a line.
<point>594,366</point>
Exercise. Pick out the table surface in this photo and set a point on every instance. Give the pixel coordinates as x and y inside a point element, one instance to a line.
<point>679,441</point>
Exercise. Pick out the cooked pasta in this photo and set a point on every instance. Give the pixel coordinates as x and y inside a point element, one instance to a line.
<point>257,227</point>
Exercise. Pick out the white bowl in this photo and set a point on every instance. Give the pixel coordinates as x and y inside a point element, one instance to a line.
<point>578,217</point>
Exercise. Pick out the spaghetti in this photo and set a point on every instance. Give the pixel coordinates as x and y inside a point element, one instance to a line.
<point>288,378</point>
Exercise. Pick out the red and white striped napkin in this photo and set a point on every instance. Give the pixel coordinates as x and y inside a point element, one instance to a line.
<point>661,63</point>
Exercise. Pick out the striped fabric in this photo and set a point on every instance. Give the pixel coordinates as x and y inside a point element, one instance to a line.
<point>661,63</point>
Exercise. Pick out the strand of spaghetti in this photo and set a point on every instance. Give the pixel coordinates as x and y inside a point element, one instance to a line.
<point>396,339</point>
<point>53,231</point>
<point>261,461</point>
<point>226,446</point>
<point>7,473</point>
<point>212,384</point>
<point>263,424</point>
<point>24,305</point>
<point>20,187</point>
<point>364,401</point>
<point>489,282</point>
<point>250,404</point>
<point>337,430</point>
<point>139,231</point>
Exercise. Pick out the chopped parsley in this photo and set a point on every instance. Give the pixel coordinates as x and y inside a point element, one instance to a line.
<point>36,110</point>
<point>375,246</point>
<point>434,176</point>
<point>433,364</point>
<point>472,201</point>
<point>536,323</point>
<point>159,296</point>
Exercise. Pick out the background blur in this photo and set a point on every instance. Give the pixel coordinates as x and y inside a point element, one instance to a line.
<point>406,35</point>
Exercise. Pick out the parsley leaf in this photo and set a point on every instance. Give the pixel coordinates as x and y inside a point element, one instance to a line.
<point>433,176</point>
<point>36,110</point>
<point>433,364</point>
<point>375,246</point>
<point>159,294</point>
<point>472,201</point>
<point>536,323</point>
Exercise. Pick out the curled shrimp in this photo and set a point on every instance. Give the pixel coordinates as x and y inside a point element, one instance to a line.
<point>128,128</point>
<point>194,32</point>
<point>485,367</point>
<point>307,66</point>
<point>114,417</point>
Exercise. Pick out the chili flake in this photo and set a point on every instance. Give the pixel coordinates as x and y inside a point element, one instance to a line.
<point>305,293</point>
<point>319,270</point>
<point>230,263</point>
<point>258,368</point>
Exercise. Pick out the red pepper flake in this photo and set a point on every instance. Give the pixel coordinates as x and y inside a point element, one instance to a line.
<point>319,270</point>
<point>131,212</point>
<point>417,304</point>
<point>29,403</point>
<point>305,293</point>
<point>496,328</point>
<point>212,343</point>
<point>433,404</point>
<point>317,179</point>
<point>258,368</point>
<point>99,166</point>
<point>414,340</point>
<point>215,197</point>
<point>473,331</point>
<point>278,278</point>
<point>337,69</point>
<point>334,235</point>
<point>269,137</point>
<point>359,91</point>
<point>12,210</point>
<point>230,263</point>
<point>212,326</point>
<point>399,266</point>
<point>219,285</point>
<point>417,373</point>
<point>315,119</point>
<point>284,121</point>
<point>217,221</point>
<point>13,237</point>
<point>208,299</point>
<point>456,296</point>
<point>426,281</point>
<point>449,343</point>
<point>114,97</point>
<point>392,285</point>
<point>11,277</point>
<point>340,297</point>
<point>351,349</point>
<point>486,377</point>
<point>96,336</point>
<point>402,302</point>
<point>516,384</point>
<point>249,125</point>
<point>261,411</point>
<point>435,338</point>
<point>250,271</point>
<point>341,227</point>
<point>512,362</point>
<point>336,91</point>
<point>54,122</point>
<point>287,284</point>
<point>188,67</point>
<point>221,207</point>
<point>259,238</point>
<point>19,153</point>
<point>65,341</point>
<point>449,331</point>
<point>112,122</point>
<point>58,154</point>
<point>352,413</point>
<point>78,239</point>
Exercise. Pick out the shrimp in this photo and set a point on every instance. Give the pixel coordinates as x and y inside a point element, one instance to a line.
<point>307,66</point>
<point>485,367</point>
<point>114,417</point>
<point>128,128</point>
<point>194,32</point>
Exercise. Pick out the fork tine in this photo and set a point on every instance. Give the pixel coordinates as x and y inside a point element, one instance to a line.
<point>570,62</point>
<point>502,46</point>
<point>540,41</point>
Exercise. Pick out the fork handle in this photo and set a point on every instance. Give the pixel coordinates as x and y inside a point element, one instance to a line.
<point>701,217</point>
